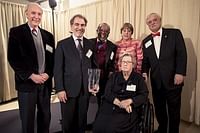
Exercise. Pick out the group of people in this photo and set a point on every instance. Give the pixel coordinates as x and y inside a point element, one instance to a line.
<point>125,67</point>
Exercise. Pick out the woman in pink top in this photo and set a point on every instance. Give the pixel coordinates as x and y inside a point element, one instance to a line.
<point>130,46</point>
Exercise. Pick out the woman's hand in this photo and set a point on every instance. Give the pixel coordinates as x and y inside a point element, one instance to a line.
<point>129,109</point>
<point>116,102</point>
<point>125,103</point>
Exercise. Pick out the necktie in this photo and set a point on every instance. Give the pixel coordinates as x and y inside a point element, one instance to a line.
<point>80,48</point>
<point>156,34</point>
<point>34,31</point>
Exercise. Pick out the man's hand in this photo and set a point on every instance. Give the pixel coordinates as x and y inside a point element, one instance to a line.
<point>38,79</point>
<point>144,75</point>
<point>94,90</point>
<point>45,76</point>
<point>178,79</point>
<point>62,96</point>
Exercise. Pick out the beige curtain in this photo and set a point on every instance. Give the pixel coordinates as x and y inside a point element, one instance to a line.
<point>182,14</point>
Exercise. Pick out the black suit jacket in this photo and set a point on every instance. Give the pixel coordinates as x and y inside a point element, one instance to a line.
<point>172,59</point>
<point>110,56</point>
<point>70,72</point>
<point>22,56</point>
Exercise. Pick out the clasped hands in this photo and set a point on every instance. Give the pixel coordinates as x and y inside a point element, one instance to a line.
<point>39,78</point>
<point>124,104</point>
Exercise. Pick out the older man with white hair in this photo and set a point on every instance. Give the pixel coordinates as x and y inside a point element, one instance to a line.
<point>31,55</point>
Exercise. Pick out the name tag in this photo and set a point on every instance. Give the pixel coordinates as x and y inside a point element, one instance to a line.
<point>131,87</point>
<point>112,55</point>
<point>89,53</point>
<point>147,44</point>
<point>49,48</point>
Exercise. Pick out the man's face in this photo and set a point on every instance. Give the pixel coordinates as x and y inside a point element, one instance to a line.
<point>154,22</point>
<point>78,27</point>
<point>34,15</point>
<point>103,33</point>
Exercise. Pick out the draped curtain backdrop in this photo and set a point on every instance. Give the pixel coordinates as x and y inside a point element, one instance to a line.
<point>182,14</point>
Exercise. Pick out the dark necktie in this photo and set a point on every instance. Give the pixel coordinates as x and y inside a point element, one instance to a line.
<point>80,48</point>
<point>34,31</point>
<point>156,34</point>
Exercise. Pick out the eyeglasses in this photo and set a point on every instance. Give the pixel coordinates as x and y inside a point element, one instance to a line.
<point>127,62</point>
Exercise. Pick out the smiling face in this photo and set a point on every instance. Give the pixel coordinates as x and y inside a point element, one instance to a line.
<point>78,27</point>
<point>34,14</point>
<point>103,31</point>
<point>154,22</point>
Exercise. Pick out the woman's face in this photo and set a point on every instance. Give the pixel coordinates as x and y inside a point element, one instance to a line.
<point>126,64</point>
<point>126,34</point>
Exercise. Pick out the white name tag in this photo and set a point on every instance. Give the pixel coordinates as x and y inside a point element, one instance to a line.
<point>131,87</point>
<point>89,53</point>
<point>49,48</point>
<point>147,44</point>
<point>112,55</point>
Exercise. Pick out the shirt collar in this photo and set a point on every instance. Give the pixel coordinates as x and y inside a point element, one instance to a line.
<point>160,30</point>
<point>36,28</point>
<point>75,38</point>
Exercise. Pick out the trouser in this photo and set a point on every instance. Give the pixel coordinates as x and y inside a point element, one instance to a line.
<point>74,114</point>
<point>167,105</point>
<point>28,102</point>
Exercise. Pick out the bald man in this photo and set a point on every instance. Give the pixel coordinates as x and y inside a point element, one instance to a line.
<point>31,55</point>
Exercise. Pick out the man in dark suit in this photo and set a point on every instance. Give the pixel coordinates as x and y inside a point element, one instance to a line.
<point>73,56</point>
<point>105,52</point>
<point>31,55</point>
<point>166,57</point>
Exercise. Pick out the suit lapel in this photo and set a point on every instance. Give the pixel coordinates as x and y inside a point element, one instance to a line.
<point>152,47</point>
<point>30,41</point>
<point>163,43</point>
<point>73,47</point>
<point>108,53</point>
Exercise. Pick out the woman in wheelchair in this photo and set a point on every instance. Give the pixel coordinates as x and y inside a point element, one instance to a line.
<point>125,93</point>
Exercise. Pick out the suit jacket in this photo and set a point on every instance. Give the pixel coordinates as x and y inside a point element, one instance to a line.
<point>110,56</point>
<point>22,56</point>
<point>172,59</point>
<point>70,72</point>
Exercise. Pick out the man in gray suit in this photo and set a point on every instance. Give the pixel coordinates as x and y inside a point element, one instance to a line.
<point>73,56</point>
<point>165,57</point>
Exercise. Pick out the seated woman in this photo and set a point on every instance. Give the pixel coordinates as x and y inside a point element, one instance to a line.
<point>125,92</point>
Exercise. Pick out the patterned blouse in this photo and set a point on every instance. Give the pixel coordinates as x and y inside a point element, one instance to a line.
<point>132,47</point>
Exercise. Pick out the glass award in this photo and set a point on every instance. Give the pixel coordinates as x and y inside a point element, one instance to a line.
<point>93,80</point>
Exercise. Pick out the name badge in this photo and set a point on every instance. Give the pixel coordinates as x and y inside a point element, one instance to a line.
<point>131,87</point>
<point>147,44</point>
<point>89,53</point>
<point>112,55</point>
<point>49,48</point>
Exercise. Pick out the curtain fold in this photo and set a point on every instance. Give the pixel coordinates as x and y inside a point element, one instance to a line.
<point>182,14</point>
